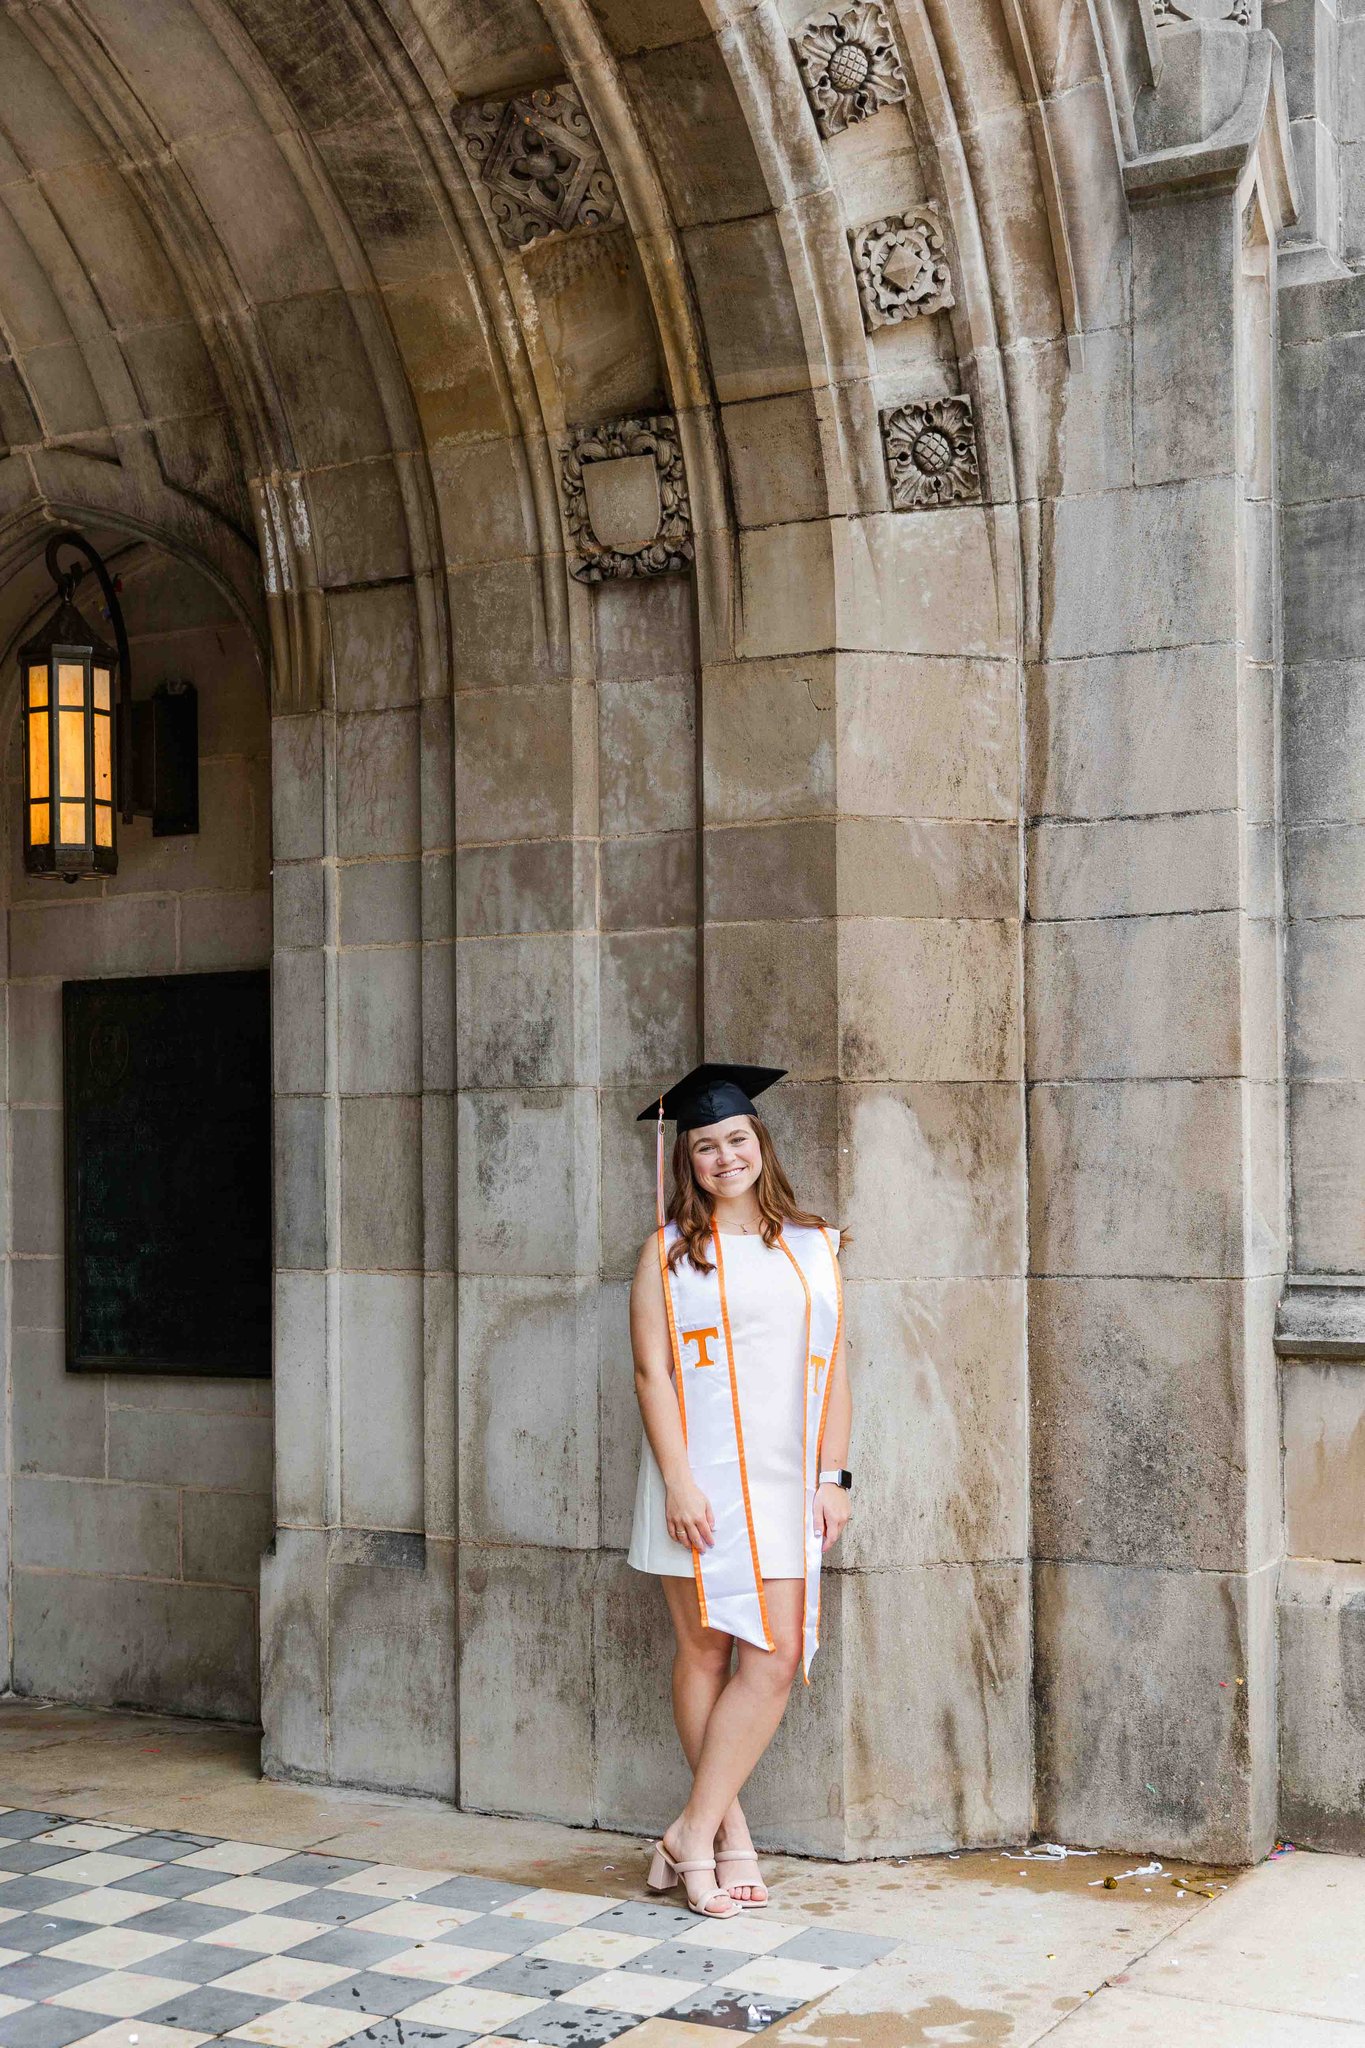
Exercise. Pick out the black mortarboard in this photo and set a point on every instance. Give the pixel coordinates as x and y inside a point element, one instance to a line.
<point>710,1093</point>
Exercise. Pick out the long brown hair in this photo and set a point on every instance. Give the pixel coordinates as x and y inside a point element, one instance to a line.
<point>691,1208</point>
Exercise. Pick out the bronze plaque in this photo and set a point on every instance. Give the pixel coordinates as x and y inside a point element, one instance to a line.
<point>166,1086</point>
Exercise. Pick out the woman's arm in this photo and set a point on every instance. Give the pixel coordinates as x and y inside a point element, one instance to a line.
<point>832,1504</point>
<point>687,1511</point>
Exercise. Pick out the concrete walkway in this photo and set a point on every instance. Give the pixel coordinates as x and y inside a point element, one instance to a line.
<point>986,1950</point>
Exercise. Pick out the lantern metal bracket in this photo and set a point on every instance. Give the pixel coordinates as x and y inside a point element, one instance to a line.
<point>65,580</point>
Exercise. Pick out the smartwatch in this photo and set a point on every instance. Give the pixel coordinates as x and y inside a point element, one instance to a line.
<point>842,1478</point>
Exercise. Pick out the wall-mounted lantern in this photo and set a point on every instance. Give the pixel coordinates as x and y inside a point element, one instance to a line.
<point>88,751</point>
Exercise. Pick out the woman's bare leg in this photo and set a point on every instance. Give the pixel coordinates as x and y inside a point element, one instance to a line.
<point>701,1671</point>
<point>742,1722</point>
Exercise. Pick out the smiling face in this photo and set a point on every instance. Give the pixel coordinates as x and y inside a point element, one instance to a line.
<point>725,1157</point>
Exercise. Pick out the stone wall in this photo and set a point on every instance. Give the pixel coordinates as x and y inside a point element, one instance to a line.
<point>139,1505</point>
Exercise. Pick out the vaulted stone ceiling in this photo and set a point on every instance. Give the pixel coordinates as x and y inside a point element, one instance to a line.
<point>255,297</point>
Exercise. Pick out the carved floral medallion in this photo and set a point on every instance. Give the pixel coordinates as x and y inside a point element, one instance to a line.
<point>902,268</point>
<point>850,64</point>
<point>625,499</point>
<point>931,454</point>
<point>540,163</point>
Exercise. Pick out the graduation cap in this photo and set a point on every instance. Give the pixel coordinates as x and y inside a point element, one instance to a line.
<point>707,1095</point>
<point>710,1093</point>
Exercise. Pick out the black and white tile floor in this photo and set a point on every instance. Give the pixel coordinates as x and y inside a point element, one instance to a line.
<point>126,1938</point>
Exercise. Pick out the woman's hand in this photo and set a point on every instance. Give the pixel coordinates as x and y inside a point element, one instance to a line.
<point>832,1510</point>
<point>687,1513</point>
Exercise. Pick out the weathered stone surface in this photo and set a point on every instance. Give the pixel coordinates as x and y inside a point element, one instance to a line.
<point>525,1636</point>
<point>1324,1461</point>
<point>145,1643</point>
<point>527,1172</point>
<point>1144,1732</point>
<point>80,1526</point>
<point>953,1152</point>
<point>198,1450</point>
<point>528,1444</point>
<point>381,1442</point>
<point>1132,734</point>
<point>392,1610</point>
<point>1117,998</point>
<point>1321,1616</point>
<point>929,999</point>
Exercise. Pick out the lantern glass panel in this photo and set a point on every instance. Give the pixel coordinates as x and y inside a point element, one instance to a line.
<point>70,757</point>
<point>39,765</point>
<point>102,694</point>
<point>70,682</point>
<point>40,824</point>
<point>37,685</point>
<point>104,765</point>
<point>72,824</point>
<point>104,824</point>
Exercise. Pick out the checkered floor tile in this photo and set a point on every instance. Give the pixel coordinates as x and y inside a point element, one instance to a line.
<point>121,1938</point>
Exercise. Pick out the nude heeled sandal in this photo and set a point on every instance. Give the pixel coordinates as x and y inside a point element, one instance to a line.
<point>744,1856</point>
<point>664,1873</point>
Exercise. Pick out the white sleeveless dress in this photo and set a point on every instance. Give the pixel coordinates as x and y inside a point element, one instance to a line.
<point>767,1306</point>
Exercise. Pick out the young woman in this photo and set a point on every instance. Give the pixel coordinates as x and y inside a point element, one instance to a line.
<point>737,1329</point>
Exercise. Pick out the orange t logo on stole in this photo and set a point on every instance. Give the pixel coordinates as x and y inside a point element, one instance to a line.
<point>699,1337</point>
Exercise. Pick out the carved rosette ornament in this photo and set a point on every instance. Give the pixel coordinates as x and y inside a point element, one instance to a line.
<point>540,163</point>
<point>931,454</point>
<point>850,65</point>
<point>625,499</point>
<point>902,268</point>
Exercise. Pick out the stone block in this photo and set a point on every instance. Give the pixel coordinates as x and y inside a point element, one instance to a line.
<point>1123,997</point>
<point>596,320</point>
<point>925,583</point>
<point>646,747</point>
<point>381,1401</point>
<point>380,1004</point>
<point>229,852</point>
<point>149,1644</point>
<point>300,1153</point>
<point>786,590</point>
<point>934,1173</point>
<point>360,524</point>
<point>785,870</point>
<point>1322,1704</point>
<point>1324,710</point>
<point>940,1759</point>
<point>37,1167</point>
<point>648,996</point>
<point>499,633</point>
<point>392,1614</point>
<point>1135,867</point>
<point>482,498</point>
<point>515,762</point>
<point>381,1181</point>
<point>525,1683</point>
<point>1183,532</point>
<point>1133,734</point>
<point>1324,609</point>
<point>1185,360</point>
<point>1144,1734</point>
<point>225,1535</point>
<point>929,738</point>
<point>38,1293</point>
<point>941,1424</point>
<point>181,1448</point>
<point>297,782</point>
<point>374,647</point>
<point>643,628</point>
<point>527,1178</point>
<point>516,1013</point>
<point>649,883</point>
<point>642,1778</point>
<point>294,1655</point>
<point>701,140</point>
<point>1324,872</point>
<point>381,902</point>
<point>440,329</point>
<point>1137,1177</point>
<point>776,462</point>
<point>1324,1460</point>
<point>220,932</point>
<point>620,1431</point>
<point>35,1041</point>
<point>71,941</point>
<point>1326,1033</point>
<point>298,1023</point>
<point>928,999</point>
<point>379,807</point>
<point>1327,1120</point>
<point>271,248</point>
<point>80,1525</point>
<point>1323,384</point>
<point>927,867</point>
<point>768,739</point>
<point>504,890</point>
<point>770,985</point>
<point>748,309</point>
<point>1146,1435</point>
<point>528,1411</point>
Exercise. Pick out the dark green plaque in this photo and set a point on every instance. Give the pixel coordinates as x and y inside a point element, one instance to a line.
<point>168,1251</point>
